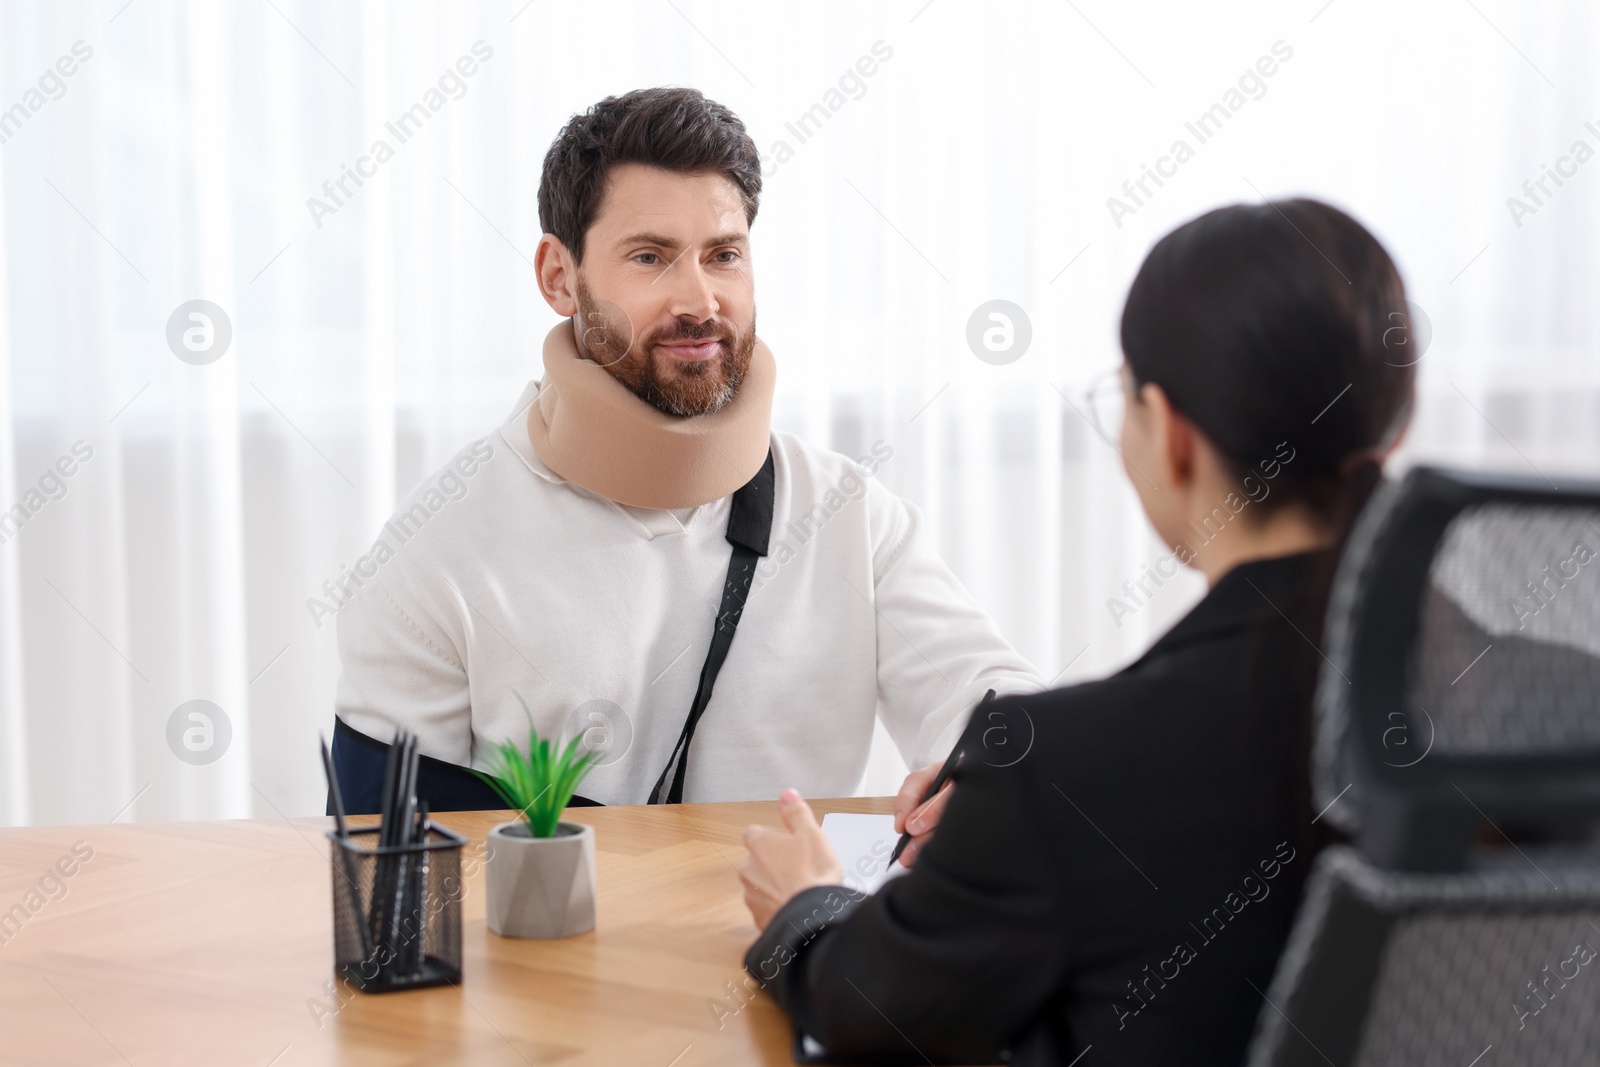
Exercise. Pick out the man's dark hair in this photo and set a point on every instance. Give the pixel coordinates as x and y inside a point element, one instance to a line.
<point>675,129</point>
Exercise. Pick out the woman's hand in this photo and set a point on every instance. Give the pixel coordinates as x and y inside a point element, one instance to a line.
<point>783,862</point>
<point>910,813</point>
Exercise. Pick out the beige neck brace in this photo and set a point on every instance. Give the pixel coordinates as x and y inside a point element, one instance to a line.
<point>593,431</point>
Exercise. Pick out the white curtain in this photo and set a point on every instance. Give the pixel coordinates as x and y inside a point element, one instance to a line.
<point>923,157</point>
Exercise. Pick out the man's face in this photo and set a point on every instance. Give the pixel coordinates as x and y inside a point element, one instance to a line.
<point>665,297</point>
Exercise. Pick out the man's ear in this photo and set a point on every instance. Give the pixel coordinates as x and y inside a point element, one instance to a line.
<point>558,275</point>
<point>1174,437</point>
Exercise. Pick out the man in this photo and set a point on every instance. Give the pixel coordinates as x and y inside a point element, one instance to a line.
<point>586,568</point>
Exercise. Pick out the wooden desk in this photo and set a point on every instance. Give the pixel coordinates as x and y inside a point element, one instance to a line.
<point>211,943</point>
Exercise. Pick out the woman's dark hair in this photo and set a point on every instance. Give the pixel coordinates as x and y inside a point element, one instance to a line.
<point>675,129</point>
<point>1281,329</point>
<point>1283,322</point>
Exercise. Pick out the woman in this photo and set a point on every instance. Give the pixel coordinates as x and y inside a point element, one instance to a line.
<point>1118,866</point>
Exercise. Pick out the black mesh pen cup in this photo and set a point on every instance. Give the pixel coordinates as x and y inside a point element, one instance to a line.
<point>397,910</point>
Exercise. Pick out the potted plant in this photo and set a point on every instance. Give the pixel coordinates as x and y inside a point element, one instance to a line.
<point>540,870</point>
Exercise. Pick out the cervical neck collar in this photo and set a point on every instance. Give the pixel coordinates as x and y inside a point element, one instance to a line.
<point>593,431</point>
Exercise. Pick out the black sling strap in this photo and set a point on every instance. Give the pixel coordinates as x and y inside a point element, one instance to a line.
<point>750,532</point>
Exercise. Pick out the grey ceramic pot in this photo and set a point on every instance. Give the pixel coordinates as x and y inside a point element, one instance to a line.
<point>540,886</point>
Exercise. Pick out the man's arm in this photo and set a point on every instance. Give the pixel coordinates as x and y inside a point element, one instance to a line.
<point>400,669</point>
<point>938,652</point>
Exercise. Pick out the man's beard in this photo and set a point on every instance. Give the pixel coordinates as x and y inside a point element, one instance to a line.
<point>673,386</point>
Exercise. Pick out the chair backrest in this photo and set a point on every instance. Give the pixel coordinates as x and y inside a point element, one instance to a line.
<point>1463,680</point>
<point>1395,969</point>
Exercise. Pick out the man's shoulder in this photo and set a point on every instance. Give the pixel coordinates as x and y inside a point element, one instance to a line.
<point>481,488</point>
<point>807,465</point>
<point>466,475</point>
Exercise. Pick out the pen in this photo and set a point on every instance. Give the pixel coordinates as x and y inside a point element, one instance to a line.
<point>347,861</point>
<point>397,888</point>
<point>335,797</point>
<point>938,783</point>
<point>383,874</point>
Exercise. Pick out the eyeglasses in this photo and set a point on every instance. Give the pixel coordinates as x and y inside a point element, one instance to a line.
<point>1105,401</point>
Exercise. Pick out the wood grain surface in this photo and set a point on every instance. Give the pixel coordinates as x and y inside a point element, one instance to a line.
<point>211,944</point>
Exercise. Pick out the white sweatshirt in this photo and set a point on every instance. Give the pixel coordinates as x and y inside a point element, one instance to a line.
<point>497,578</point>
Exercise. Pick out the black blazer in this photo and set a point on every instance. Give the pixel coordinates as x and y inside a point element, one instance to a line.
<point>1116,872</point>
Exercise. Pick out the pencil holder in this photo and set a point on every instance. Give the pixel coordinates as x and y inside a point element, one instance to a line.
<point>397,910</point>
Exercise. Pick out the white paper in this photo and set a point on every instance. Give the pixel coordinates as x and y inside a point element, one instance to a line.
<point>863,844</point>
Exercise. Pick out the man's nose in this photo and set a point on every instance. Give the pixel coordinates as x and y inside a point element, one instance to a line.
<point>692,294</point>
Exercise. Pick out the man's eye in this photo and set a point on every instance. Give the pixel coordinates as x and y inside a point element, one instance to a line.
<point>648,259</point>
<point>727,256</point>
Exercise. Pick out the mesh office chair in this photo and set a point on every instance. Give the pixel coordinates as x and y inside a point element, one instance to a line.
<point>1392,969</point>
<point>1464,645</point>
<point>1462,689</point>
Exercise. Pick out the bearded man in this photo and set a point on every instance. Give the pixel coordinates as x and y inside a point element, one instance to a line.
<point>636,558</point>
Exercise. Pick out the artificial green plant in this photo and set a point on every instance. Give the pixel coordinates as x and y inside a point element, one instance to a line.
<point>540,782</point>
